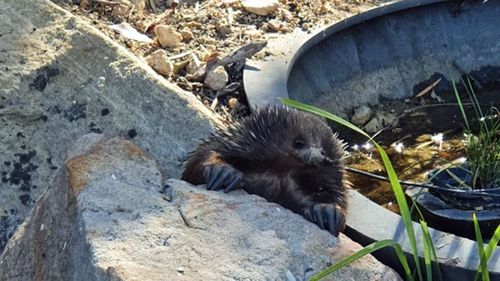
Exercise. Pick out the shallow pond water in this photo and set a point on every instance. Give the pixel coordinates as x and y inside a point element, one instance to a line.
<point>423,134</point>
<point>411,164</point>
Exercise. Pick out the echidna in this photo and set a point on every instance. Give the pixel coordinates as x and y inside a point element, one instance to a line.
<point>282,154</point>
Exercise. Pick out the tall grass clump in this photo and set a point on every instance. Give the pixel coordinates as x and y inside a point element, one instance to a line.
<point>419,272</point>
<point>482,148</point>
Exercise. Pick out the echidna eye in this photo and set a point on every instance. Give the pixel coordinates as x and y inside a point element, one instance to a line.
<point>298,144</point>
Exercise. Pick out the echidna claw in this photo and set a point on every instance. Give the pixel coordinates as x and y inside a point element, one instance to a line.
<point>224,177</point>
<point>327,216</point>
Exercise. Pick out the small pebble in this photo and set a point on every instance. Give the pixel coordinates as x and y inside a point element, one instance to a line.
<point>160,62</point>
<point>217,78</point>
<point>274,25</point>
<point>361,115</point>
<point>193,65</point>
<point>120,10</point>
<point>186,35</point>
<point>233,103</point>
<point>168,36</point>
<point>260,7</point>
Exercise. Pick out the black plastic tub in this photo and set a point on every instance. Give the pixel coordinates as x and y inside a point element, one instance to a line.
<point>449,219</point>
<point>388,53</point>
<point>451,210</point>
<point>478,199</point>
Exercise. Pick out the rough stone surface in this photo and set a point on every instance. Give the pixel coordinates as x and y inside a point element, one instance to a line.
<point>61,78</point>
<point>260,7</point>
<point>217,78</point>
<point>361,115</point>
<point>159,61</point>
<point>168,36</point>
<point>380,121</point>
<point>388,118</point>
<point>373,126</point>
<point>106,216</point>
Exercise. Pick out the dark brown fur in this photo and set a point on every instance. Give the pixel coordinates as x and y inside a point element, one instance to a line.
<point>262,149</point>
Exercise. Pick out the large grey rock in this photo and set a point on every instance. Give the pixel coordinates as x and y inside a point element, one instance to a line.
<point>105,217</point>
<point>61,78</point>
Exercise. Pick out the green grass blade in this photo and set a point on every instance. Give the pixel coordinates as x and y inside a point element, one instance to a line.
<point>429,252</point>
<point>492,244</point>
<point>473,98</point>
<point>434,254</point>
<point>483,264</point>
<point>489,249</point>
<point>427,255</point>
<point>391,173</point>
<point>462,183</point>
<point>363,252</point>
<point>460,104</point>
<point>428,240</point>
<point>403,206</point>
<point>325,114</point>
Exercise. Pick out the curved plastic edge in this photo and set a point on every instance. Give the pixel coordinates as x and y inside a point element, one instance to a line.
<point>265,82</point>
<point>458,256</point>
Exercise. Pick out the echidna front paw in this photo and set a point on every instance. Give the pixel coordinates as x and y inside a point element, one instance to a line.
<point>222,177</point>
<point>326,216</point>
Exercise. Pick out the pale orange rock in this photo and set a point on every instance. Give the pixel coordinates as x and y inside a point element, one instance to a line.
<point>159,61</point>
<point>260,7</point>
<point>168,36</point>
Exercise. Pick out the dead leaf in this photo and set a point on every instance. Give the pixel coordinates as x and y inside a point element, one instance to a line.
<point>428,88</point>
